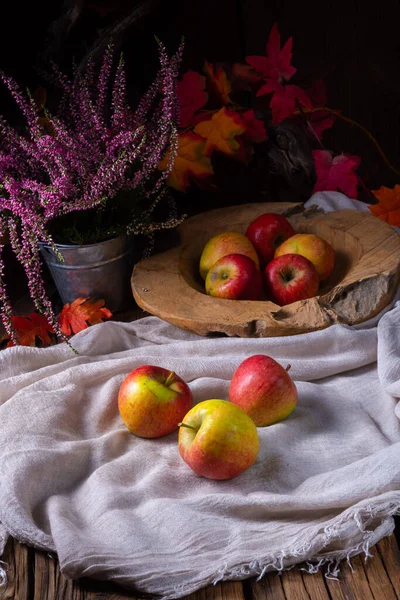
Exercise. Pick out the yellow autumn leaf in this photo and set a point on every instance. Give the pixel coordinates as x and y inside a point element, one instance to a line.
<point>190,163</point>
<point>220,132</point>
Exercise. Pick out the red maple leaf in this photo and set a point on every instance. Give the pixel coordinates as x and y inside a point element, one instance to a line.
<point>29,328</point>
<point>336,173</point>
<point>255,130</point>
<point>283,101</point>
<point>79,314</point>
<point>276,65</point>
<point>191,96</point>
<point>320,119</point>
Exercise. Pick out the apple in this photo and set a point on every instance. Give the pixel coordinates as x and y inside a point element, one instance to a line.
<point>218,440</point>
<point>236,277</point>
<point>228,242</point>
<point>152,401</point>
<point>313,247</point>
<point>263,389</point>
<point>289,278</point>
<point>266,233</point>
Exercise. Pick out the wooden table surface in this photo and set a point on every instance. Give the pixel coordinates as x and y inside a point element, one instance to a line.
<point>35,575</point>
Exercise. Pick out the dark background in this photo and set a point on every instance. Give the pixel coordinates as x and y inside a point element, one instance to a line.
<point>352,45</point>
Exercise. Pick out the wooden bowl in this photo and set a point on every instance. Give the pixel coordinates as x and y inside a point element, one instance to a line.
<point>364,280</point>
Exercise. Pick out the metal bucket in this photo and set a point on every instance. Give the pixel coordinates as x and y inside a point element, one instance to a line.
<point>100,270</point>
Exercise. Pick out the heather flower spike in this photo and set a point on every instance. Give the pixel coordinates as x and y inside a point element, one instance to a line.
<point>94,147</point>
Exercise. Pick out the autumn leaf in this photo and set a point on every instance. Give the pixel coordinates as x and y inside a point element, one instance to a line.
<point>284,99</point>
<point>191,96</point>
<point>388,208</point>
<point>218,84</point>
<point>27,329</point>
<point>243,76</point>
<point>255,130</point>
<point>336,173</point>
<point>320,119</point>
<point>82,312</point>
<point>220,133</point>
<point>276,64</point>
<point>190,162</point>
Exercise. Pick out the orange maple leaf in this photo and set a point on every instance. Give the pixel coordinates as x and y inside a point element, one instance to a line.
<point>29,328</point>
<point>190,162</point>
<point>218,84</point>
<point>388,208</point>
<point>82,312</point>
<point>220,132</point>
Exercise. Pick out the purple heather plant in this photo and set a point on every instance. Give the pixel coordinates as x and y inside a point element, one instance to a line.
<point>91,149</point>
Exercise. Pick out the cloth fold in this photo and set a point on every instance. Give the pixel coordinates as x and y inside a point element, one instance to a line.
<point>325,485</point>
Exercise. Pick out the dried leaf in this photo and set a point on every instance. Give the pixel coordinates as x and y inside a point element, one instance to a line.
<point>320,120</point>
<point>191,96</point>
<point>284,98</point>
<point>82,312</point>
<point>220,133</point>
<point>276,65</point>
<point>255,129</point>
<point>336,173</point>
<point>388,208</point>
<point>218,84</point>
<point>190,163</point>
<point>29,328</point>
<point>243,75</point>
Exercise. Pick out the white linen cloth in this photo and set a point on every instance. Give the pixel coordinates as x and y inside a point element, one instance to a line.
<point>325,486</point>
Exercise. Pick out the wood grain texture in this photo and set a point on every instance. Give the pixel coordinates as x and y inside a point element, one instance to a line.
<point>363,282</point>
<point>35,575</point>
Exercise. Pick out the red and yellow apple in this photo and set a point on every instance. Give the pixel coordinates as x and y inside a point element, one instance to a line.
<point>218,440</point>
<point>313,247</point>
<point>152,401</point>
<point>289,278</point>
<point>228,242</point>
<point>266,233</point>
<point>263,389</point>
<point>236,277</point>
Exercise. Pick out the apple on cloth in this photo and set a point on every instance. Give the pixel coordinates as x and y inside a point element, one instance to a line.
<point>236,277</point>
<point>289,278</point>
<point>227,242</point>
<point>263,389</point>
<point>153,400</point>
<point>266,233</point>
<point>218,440</point>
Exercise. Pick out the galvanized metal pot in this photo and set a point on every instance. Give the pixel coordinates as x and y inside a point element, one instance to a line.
<point>99,270</point>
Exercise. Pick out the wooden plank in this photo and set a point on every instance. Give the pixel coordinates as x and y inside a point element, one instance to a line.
<point>19,571</point>
<point>293,586</point>
<point>389,553</point>
<point>268,588</point>
<point>315,585</point>
<point>229,590</point>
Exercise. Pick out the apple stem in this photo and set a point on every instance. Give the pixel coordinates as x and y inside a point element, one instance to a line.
<point>288,368</point>
<point>170,378</point>
<point>187,426</point>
